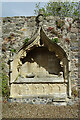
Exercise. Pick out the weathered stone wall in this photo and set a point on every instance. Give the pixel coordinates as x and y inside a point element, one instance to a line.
<point>16,29</point>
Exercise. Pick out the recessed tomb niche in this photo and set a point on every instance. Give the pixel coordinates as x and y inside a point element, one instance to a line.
<point>40,68</point>
<point>40,63</point>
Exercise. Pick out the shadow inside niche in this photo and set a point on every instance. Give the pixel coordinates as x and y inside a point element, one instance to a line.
<point>44,58</point>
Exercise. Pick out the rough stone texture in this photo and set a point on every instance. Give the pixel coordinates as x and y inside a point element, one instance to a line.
<point>24,90</point>
<point>47,79</point>
<point>16,29</point>
<point>38,67</point>
<point>29,111</point>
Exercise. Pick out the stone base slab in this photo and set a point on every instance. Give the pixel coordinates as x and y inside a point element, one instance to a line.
<point>37,100</point>
<point>56,91</point>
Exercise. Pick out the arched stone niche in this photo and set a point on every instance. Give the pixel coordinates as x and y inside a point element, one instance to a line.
<point>40,62</point>
<point>40,65</point>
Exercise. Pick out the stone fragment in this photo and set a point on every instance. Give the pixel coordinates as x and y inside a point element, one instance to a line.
<point>30,75</point>
<point>60,23</point>
<point>40,18</point>
<point>66,25</point>
<point>4,47</point>
<point>73,36</point>
<point>49,17</point>
<point>69,20</point>
<point>74,30</point>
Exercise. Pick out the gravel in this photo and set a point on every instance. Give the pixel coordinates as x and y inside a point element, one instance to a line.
<point>24,110</point>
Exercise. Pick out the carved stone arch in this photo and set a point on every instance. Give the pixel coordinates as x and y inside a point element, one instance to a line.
<point>40,41</point>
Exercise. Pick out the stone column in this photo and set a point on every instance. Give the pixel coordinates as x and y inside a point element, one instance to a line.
<point>67,73</point>
<point>69,80</point>
<point>64,60</point>
<point>10,69</point>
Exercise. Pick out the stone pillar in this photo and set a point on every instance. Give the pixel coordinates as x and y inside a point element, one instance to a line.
<point>69,80</point>
<point>65,66</point>
<point>10,71</point>
<point>67,73</point>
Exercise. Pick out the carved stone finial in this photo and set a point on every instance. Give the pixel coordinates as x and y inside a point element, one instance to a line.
<point>39,18</point>
<point>40,12</point>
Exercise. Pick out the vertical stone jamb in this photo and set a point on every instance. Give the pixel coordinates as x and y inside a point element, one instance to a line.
<point>69,80</point>
<point>10,69</point>
<point>69,74</point>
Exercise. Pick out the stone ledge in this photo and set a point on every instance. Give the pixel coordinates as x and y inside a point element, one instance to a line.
<point>54,98</point>
<point>40,99</point>
<point>61,95</point>
<point>40,80</point>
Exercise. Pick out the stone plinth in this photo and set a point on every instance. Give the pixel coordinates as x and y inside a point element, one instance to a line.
<point>56,91</point>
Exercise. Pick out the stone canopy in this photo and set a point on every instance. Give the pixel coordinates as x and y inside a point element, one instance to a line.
<point>41,67</point>
<point>38,66</point>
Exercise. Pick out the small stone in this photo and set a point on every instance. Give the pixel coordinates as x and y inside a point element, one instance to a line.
<point>70,103</point>
<point>49,18</point>
<point>3,47</point>
<point>66,25</point>
<point>73,25</point>
<point>40,18</point>
<point>74,30</point>
<point>73,36</point>
<point>30,102</point>
<point>40,24</point>
<point>30,75</point>
<point>37,102</point>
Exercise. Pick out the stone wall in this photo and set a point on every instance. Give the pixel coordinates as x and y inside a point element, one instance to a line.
<point>16,29</point>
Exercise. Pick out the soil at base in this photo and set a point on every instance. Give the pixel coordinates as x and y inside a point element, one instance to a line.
<point>23,110</point>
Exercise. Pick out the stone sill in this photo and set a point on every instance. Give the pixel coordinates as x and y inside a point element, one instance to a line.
<point>55,97</point>
<point>40,80</point>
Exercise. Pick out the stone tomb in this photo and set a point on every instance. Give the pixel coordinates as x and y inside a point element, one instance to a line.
<point>40,69</point>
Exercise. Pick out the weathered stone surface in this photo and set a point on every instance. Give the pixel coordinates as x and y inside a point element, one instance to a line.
<point>24,90</point>
<point>74,30</point>
<point>54,79</point>
<point>38,100</point>
<point>49,18</point>
<point>73,36</point>
<point>26,27</point>
<point>40,18</point>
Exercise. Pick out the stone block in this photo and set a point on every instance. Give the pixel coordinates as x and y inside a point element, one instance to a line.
<point>49,17</point>
<point>74,30</point>
<point>60,103</point>
<point>73,36</point>
<point>57,91</point>
<point>54,79</point>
